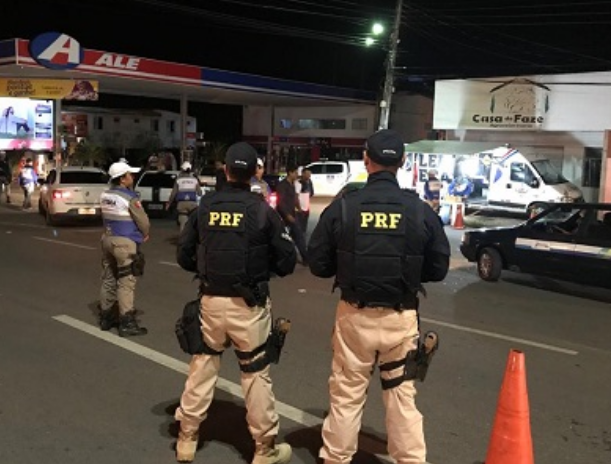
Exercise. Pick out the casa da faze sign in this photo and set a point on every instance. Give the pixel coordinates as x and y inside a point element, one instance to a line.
<point>516,104</point>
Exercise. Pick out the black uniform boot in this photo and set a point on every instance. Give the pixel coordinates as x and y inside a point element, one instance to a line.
<point>109,318</point>
<point>128,326</point>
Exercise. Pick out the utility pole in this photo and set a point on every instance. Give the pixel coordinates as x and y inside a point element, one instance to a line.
<point>389,81</point>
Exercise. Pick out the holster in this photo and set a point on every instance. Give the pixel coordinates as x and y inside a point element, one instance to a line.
<point>277,338</point>
<point>138,263</point>
<point>427,347</point>
<point>416,363</point>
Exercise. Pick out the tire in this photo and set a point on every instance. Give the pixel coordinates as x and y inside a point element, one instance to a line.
<point>489,265</point>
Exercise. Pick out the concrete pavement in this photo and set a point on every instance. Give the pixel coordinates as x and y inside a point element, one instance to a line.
<point>69,396</point>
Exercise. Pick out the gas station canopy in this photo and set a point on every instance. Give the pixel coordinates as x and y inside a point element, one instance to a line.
<point>59,56</point>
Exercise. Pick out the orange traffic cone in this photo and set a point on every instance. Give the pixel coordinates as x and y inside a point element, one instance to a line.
<point>511,441</point>
<point>459,222</point>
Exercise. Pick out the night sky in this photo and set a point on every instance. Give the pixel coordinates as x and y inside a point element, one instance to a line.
<point>322,40</point>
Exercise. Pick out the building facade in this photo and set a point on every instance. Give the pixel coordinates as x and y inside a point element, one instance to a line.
<point>564,117</point>
<point>300,135</point>
<point>126,129</point>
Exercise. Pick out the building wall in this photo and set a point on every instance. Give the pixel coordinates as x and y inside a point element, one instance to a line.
<point>412,116</point>
<point>351,121</point>
<point>127,128</point>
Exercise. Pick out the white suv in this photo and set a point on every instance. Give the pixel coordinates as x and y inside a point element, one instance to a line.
<point>154,189</point>
<point>328,177</point>
<point>72,193</point>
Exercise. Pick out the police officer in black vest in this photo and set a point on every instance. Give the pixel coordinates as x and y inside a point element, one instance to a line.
<point>234,241</point>
<point>381,243</point>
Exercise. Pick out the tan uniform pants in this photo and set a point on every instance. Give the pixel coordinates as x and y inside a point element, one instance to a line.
<point>361,337</point>
<point>223,320</point>
<point>118,283</point>
<point>184,208</point>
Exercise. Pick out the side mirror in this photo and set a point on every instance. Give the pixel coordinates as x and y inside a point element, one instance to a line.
<point>535,183</point>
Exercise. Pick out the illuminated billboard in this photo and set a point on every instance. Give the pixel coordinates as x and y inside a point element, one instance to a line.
<point>26,124</point>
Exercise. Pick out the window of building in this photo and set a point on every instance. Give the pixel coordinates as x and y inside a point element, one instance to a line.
<point>359,124</point>
<point>98,123</point>
<point>155,125</point>
<point>172,126</point>
<point>322,124</point>
<point>592,167</point>
<point>286,124</point>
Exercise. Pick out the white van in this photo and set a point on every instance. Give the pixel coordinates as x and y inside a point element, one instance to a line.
<point>328,177</point>
<point>504,178</point>
<point>518,182</point>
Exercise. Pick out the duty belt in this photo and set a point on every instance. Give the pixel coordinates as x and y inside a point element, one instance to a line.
<point>405,306</point>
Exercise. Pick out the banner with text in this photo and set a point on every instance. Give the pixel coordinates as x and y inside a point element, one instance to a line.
<point>50,89</point>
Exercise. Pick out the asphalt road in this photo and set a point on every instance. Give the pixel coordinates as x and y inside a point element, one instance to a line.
<point>71,394</point>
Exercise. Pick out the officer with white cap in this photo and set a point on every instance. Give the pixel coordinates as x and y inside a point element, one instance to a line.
<point>185,193</point>
<point>126,227</point>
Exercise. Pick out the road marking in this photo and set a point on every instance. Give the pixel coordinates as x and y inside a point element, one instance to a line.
<point>22,224</point>
<point>168,263</point>
<point>59,242</point>
<point>286,410</point>
<point>498,336</point>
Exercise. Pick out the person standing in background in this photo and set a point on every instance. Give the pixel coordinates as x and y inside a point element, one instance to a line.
<point>28,179</point>
<point>305,191</point>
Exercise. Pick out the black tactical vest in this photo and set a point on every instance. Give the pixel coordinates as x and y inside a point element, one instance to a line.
<point>234,241</point>
<point>380,253</point>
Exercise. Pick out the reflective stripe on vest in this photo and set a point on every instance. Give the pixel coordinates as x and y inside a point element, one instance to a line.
<point>187,189</point>
<point>116,216</point>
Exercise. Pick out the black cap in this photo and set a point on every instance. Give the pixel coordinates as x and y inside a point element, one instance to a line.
<point>385,147</point>
<point>241,156</point>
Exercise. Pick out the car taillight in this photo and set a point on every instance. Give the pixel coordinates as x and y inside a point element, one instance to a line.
<point>61,194</point>
<point>273,200</point>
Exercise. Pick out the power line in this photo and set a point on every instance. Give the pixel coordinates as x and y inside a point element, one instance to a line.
<point>512,37</point>
<point>536,15</point>
<point>568,4</point>
<point>341,17</point>
<point>256,24</point>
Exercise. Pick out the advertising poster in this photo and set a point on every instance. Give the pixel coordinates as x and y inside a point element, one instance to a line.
<point>53,89</point>
<point>26,124</point>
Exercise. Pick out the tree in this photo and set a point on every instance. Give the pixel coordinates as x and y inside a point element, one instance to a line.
<point>89,153</point>
<point>144,145</point>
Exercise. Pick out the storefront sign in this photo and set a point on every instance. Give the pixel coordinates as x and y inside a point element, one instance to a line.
<point>49,89</point>
<point>517,104</point>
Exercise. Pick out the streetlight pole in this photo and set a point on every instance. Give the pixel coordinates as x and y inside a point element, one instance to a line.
<point>389,81</point>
